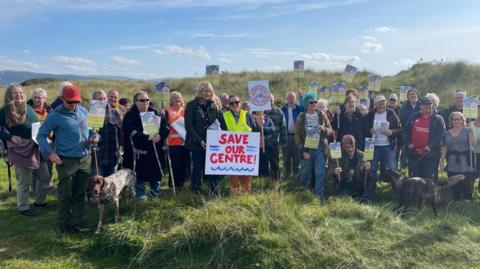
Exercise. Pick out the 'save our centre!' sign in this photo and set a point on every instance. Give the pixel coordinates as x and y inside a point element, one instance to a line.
<point>232,153</point>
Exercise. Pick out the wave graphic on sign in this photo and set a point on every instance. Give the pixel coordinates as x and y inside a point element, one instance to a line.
<point>225,169</point>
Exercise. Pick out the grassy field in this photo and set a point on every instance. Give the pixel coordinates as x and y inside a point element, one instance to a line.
<point>278,226</point>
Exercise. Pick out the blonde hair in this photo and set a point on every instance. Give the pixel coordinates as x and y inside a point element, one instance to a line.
<point>176,94</point>
<point>456,113</point>
<point>14,114</point>
<point>201,86</point>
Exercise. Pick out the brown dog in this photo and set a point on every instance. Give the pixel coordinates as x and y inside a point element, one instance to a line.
<point>108,189</point>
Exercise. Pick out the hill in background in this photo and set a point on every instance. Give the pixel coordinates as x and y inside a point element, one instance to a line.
<point>440,78</point>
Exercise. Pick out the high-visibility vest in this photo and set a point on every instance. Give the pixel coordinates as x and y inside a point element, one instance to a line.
<point>174,139</point>
<point>240,126</point>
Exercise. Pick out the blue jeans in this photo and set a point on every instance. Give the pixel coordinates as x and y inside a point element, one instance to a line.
<point>315,164</point>
<point>198,170</point>
<point>140,188</point>
<point>386,155</point>
<point>426,167</point>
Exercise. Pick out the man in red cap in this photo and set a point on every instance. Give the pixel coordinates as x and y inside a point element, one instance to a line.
<point>71,156</point>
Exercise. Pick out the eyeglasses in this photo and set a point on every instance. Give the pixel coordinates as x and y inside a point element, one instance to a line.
<point>72,102</point>
<point>312,102</point>
<point>457,119</point>
<point>143,100</point>
<point>234,103</point>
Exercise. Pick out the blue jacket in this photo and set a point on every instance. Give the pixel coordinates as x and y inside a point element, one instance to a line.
<point>71,132</point>
<point>295,112</point>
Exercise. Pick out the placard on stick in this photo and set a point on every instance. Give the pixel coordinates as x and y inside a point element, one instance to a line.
<point>162,93</point>
<point>212,70</point>
<point>150,122</point>
<point>96,114</point>
<point>232,153</point>
<point>349,73</point>
<point>299,69</point>
<point>313,86</point>
<point>470,107</point>
<point>335,150</point>
<point>403,92</point>
<point>369,148</point>
<point>259,95</point>
<point>338,92</point>
<point>374,83</point>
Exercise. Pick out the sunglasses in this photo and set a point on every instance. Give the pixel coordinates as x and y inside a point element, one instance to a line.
<point>234,103</point>
<point>73,102</point>
<point>312,102</point>
<point>143,100</point>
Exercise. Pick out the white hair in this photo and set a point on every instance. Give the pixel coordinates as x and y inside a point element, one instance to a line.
<point>459,91</point>
<point>39,91</point>
<point>63,85</point>
<point>324,101</point>
<point>434,97</point>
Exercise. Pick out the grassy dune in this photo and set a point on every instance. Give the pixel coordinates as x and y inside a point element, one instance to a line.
<point>426,77</point>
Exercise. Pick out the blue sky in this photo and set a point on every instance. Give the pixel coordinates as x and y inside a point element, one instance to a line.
<point>158,38</point>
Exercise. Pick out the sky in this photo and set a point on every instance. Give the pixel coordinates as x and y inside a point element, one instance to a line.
<point>149,39</point>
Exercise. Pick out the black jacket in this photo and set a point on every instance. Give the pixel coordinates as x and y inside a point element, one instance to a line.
<point>146,166</point>
<point>437,132</point>
<point>197,123</point>
<point>354,127</point>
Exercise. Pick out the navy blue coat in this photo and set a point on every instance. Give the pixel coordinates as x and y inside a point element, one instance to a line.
<point>354,127</point>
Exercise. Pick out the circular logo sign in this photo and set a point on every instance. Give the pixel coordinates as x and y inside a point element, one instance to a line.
<point>259,95</point>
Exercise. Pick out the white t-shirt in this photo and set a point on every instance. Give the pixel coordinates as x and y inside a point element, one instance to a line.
<point>381,124</point>
<point>291,124</point>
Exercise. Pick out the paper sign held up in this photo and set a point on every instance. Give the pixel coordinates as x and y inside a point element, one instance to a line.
<point>259,95</point>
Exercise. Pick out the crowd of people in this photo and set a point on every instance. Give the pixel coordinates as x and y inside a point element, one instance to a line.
<point>413,135</point>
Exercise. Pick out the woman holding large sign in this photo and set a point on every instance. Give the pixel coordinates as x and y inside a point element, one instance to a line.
<point>138,143</point>
<point>311,131</point>
<point>202,114</point>
<point>238,120</point>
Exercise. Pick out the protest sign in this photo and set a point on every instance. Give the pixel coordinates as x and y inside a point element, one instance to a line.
<point>470,107</point>
<point>162,93</point>
<point>338,92</point>
<point>403,92</point>
<point>299,69</point>
<point>324,92</point>
<point>335,150</point>
<point>96,114</point>
<point>374,83</point>
<point>150,122</point>
<point>212,70</point>
<point>369,147</point>
<point>259,95</point>
<point>363,92</point>
<point>179,126</point>
<point>313,86</point>
<point>349,73</point>
<point>35,128</point>
<point>312,138</point>
<point>232,153</point>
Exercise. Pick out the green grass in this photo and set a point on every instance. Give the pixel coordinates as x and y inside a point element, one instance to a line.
<point>278,226</point>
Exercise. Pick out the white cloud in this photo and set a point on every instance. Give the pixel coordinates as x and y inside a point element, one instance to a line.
<point>201,52</point>
<point>7,63</point>
<point>26,51</point>
<point>158,51</point>
<point>383,29</point>
<point>72,60</point>
<point>123,60</point>
<point>266,53</point>
<point>371,45</point>
<point>407,62</point>
<point>326,60</point>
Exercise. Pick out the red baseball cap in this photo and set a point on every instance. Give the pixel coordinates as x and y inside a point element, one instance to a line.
<point>71,93</point>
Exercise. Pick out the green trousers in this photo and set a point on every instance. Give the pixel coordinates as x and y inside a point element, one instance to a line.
<point>73,175</point>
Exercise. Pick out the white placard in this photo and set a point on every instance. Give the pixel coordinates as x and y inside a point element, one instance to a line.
<point>232,153</point>
<point>179,126</point>
<point>259,95</point>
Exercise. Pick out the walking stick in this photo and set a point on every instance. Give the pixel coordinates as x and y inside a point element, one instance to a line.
<point>365,180</point>
<point>93,147</point>
<point>9,165</point>
<point>171,170</point>
<point>134,132</point>
<point>158,160</point>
